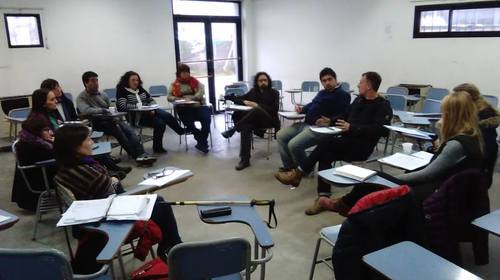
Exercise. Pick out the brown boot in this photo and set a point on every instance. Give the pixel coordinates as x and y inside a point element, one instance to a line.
<point>334,205</point>
<point>292,177</point>
<point>316,208</point>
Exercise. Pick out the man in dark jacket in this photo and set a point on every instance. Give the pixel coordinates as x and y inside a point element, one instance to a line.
<point>264,101</point>
<point>328,105</point>
<point>360,133</point>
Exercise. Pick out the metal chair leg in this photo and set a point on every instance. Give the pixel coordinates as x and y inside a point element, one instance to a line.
<point>315,259</point>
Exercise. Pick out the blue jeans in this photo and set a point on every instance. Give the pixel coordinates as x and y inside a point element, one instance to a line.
<point>293,142</point>
<point>124,134</point>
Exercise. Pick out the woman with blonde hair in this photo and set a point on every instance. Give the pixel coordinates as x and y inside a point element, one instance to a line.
<point>489,119</point>
<point>460,149</point>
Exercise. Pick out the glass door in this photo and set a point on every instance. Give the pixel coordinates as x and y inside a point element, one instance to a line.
<point>208,40</point>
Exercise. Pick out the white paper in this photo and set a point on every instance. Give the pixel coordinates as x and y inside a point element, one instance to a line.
<point>423,155</point>
<point>404,161</point>
<point>408,131</point>
<point>239,107</point>
<point>127,205</point>
<point>143,215</point>
<point>154,106</point>
<point>3,218</point>
<point>161,181</point>
<point>291,114</point>
<point>326,130</point>
<point>354,172</point>
<point>85,211</point>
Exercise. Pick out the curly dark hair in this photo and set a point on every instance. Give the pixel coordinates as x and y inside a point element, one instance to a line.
<point>256,78</point>
<point>123,83</point>
<point>67,140</point>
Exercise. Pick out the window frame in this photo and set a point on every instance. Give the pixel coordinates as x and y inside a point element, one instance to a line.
<point>451,7</point>
<point>39,27</point>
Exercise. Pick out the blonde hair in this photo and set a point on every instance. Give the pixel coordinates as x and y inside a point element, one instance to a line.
<point>459,117</point>
<point>475,94</point>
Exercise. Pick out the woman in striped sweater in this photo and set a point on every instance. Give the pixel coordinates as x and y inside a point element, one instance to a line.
<point>88,179</point>
<point>130,95</point>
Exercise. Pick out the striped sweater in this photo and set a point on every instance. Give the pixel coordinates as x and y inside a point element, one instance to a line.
<point>127,100</point>
<point>86,181</point>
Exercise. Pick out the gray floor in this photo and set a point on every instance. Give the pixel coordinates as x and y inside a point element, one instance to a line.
<point>215,176</point>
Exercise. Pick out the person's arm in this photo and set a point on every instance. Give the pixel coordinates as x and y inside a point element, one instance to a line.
<point>449,157</point>
<point>273,103</point>
<point>148,100</point>
<point>87,109</point>
<point>382,117</point>
<point>171,97</point>
<point>199,95</point>
<point>101,185</point>
<point>122,103</point>
<point>341,108</point>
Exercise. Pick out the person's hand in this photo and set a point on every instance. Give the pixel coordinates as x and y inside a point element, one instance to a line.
<point>323,121</point>
<point>299,109</point>
<point>114,180</point>
<point>343,125</point>
<point>250,103</point>
<point>48,135</point>
<point>49,138</point>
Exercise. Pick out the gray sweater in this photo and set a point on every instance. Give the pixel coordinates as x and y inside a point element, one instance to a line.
<point>92,104</point>
<point>451,155</point>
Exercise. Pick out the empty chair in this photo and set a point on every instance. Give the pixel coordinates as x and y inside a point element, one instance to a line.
<point>10,103</point>
<point>431,106</point>
<point>397,91</point>
<point>237,91</point>
<point>41,264</point>
<point>69,95</point>
<point>157,91</point>
<point>16,116</point>
<point>437,93</point>
<point>210,259</point>
<point>329,235</point>
<point>492,100</point>
<point>277,85</point>
<point>310,86</point>
<point>345,86</point>
<point>111,93</point>
<point>397,101</point>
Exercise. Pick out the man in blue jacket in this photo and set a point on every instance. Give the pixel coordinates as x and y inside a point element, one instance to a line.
<point>328,105</point>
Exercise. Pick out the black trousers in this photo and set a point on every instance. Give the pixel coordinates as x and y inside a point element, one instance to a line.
<point>159,120</point>
<point>247,122</point>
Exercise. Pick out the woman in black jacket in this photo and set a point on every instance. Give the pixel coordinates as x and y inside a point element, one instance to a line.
<point>131,95</point>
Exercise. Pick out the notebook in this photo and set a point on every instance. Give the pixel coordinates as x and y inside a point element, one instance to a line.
<point>121,207</point>
<point>408,162</point>
<point>354,172</point>
<point>326,130</point>
<point>409,131</point>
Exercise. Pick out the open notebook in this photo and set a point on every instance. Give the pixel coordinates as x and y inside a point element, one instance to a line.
<point>354,172</point>
<point>121,207</point>
<point>408,162</point>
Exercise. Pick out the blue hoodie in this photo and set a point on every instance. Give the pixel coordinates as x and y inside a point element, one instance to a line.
<point>333,105</point>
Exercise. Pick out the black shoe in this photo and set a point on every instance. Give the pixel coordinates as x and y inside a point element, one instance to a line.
<point>228,133</point>
<point>159,150</point>
<point>125,169</point>
<point>202,148</point>
<point>242,165</point>
<point>118,174</point>
<point>116,160</point>
<point>145,160</point>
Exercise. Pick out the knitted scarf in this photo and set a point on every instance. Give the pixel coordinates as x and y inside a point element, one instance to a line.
<point>176,86</point>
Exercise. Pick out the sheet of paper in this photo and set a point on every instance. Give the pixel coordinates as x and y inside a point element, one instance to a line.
<point>291,114</point>
<point>154,106</point>
<point>423,155</point>
<point>127,205</point>
<point>408,131</point>
<point>326,130</point>
<point>143,215</point>
<point>163,180</point>
<point>354,172</point>
<point>3,218</point>
<point>239,107</point>
<point>404,161</point>
<point>85,211</point>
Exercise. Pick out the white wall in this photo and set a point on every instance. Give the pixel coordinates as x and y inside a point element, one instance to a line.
<point>108,37</point>
<point>294,39</point>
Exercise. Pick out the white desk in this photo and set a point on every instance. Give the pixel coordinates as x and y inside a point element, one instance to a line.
<point>489,222</point>
<point>408,261</point>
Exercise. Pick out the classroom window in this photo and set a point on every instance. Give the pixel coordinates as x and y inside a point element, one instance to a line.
<point>23,30</point>
<point>474,19</point>
<point>205,8</point>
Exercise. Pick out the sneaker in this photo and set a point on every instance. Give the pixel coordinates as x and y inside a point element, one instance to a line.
<point>292,177</point>
<point>316,208</point>
<point>242,165</point>
<point>145,159</point>
<point>202,148</point>
<point>334,205</point>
